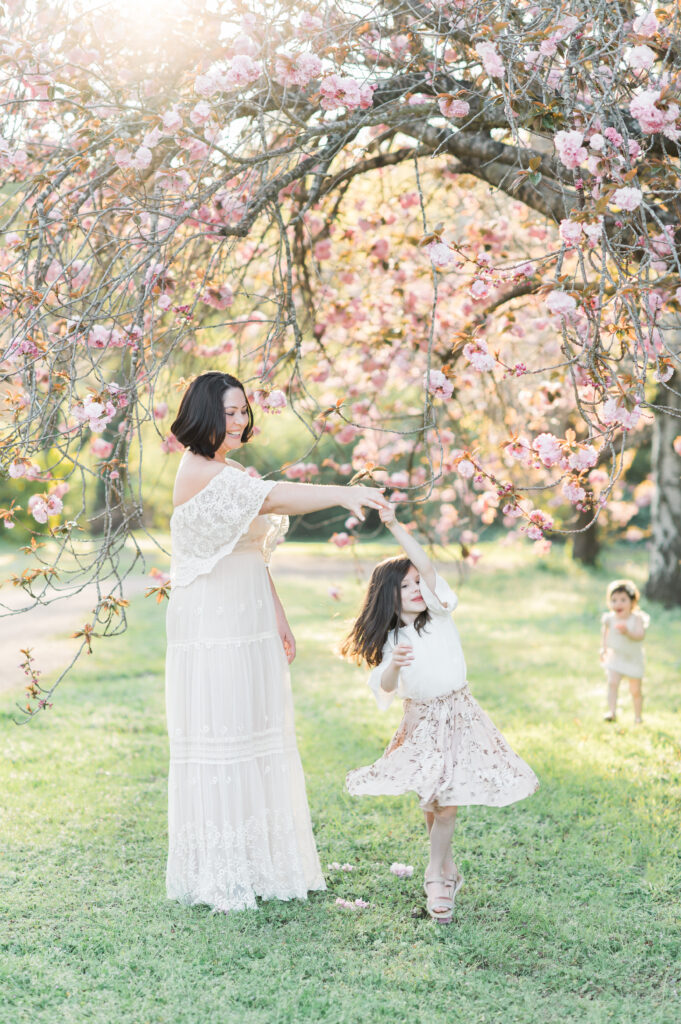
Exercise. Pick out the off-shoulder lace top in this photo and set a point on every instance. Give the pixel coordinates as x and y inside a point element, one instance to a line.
<point>222,516</point>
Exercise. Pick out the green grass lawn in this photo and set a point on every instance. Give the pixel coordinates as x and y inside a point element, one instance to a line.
<point>572,905</point>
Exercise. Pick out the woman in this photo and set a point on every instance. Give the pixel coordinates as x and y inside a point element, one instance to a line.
<point>238,820</point>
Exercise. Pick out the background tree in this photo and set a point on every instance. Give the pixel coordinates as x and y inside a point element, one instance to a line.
<point>299,195</point>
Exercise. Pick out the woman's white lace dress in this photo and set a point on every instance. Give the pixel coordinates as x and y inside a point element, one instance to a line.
<point>238,819</point>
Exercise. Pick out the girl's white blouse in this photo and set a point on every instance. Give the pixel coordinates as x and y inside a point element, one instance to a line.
<point>439,665</point>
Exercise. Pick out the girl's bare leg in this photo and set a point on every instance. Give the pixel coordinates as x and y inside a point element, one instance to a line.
<point>637,697</point>
<point>613,686</point>
<point>449,868</point>
<point>441,832</point>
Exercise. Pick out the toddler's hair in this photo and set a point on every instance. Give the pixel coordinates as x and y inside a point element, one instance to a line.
<point>627,587</point>
<point>380,613</point>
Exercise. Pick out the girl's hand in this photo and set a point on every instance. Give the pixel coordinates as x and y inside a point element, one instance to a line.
<point>387,515</point>
<point>403,655</point>
<point>601,656</point>
<point>357,497</point>
<point>621,627</point>
<point>288,641</point>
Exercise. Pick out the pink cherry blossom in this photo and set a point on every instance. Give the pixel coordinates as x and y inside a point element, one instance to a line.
<point>402,870</point>
<point>548,448</point>
<point>101,448</point>
<point>653,118</point>
<point>245,43</point>
<point>616,413</point>
<point>491,60</point>
<point>338,91</point>
<point>438,384</point>
<point>272,401</point>
<point>593,231</point>
<point>640,57</point>
<point>200,113</point>
<point>451,107</point>
<point>54,505</point>
<point>341,540</point>
<point>584,458</point>
<point>441,256</point>
<point>612,135</point>
<point>627,198</point>
<point>519,449</point>
<point>297,70</point>
<point>209,83</point>
<point>309,22</point>
<point>569,147</point>
<point>570,231</point>
<point>37,506</point>
<point>561,304</point>
<point>479,289</point>
<point>171,444</point>
<point>243,72</point>
<point>334,593</point>
<point>573,491</point>
<point>323,249</point>
<point>645,24</point>
<point>478,355</point>
<point>171,120</point>
<point>676,444</point>
<point>465,468</point>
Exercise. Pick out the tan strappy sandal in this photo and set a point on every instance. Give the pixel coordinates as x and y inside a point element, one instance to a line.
<point>439,907</point>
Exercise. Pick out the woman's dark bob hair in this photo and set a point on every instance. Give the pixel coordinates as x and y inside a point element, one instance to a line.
<point>200,421</point>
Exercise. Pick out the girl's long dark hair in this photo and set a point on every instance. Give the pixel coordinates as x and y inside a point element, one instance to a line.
<point>380,613</point>
<point>200,421</point>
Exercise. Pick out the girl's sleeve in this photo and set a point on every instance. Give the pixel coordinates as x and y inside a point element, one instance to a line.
<point>605,619</point>
<point>383,698</point>
<point>645,618</point>
<point>442,600</point>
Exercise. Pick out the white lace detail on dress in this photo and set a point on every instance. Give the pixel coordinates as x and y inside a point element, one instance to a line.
<point>278,528</point>
<point>208,526</point>
<point>227,866</point>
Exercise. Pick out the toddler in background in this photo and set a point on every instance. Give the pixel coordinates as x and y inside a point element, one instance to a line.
<point>624,628</point>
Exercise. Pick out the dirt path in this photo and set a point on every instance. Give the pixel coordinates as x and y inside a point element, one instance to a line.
<point>48,628</point>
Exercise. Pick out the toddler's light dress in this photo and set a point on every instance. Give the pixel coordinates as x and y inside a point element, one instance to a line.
<point>623,654</point>
<point>238,819</point>
<point>446,749</point>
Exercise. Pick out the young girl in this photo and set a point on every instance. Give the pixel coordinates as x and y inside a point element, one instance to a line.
<point>446,749</point>
<point>624,628</point>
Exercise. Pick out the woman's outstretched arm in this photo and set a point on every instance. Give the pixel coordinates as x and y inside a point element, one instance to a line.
<point>293,499</point>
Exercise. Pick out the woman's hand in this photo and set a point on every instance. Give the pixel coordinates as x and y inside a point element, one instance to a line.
<point>288,640</point>
<point>357,497</point>
<point>403,655</point>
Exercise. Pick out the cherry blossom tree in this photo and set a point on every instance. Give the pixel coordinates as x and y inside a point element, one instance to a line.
<point>305,195</point>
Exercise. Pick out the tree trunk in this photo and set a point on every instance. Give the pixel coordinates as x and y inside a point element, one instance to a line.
<point>664,580</point>
<point>586,545</point>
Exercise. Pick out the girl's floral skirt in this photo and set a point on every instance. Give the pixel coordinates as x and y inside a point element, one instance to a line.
<point>450,753</point>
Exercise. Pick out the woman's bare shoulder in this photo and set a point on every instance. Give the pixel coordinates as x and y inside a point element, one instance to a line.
<point>193,473</point>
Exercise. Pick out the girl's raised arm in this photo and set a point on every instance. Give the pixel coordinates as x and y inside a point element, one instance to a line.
<point>412,549</point>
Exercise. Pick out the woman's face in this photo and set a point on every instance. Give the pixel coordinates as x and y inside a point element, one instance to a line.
<point>236,418</point>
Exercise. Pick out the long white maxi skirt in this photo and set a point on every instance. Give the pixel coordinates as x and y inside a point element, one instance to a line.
<point>238,820</point>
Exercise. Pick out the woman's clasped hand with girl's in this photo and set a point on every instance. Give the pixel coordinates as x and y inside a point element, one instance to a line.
<point>238,819</point>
